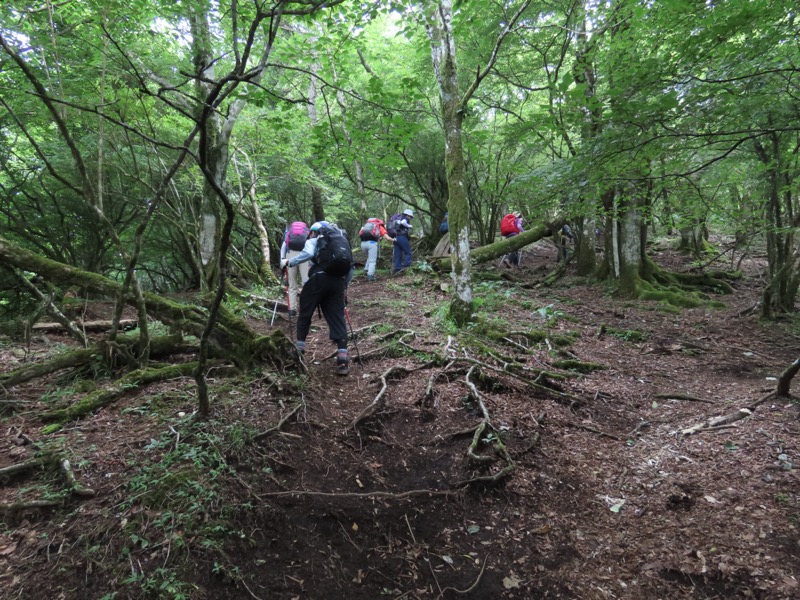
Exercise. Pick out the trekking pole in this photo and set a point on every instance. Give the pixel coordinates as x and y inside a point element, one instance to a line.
<point>288,304</point>
<point>274,310</point>
<point>353,336</point>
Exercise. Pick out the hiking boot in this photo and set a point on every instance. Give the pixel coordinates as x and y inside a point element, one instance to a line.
<point>292,313</point>
<point>342,367</point>
<point>370,277</point>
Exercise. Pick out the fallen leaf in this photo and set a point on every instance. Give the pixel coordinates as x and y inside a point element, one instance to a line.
<point>512,581</point>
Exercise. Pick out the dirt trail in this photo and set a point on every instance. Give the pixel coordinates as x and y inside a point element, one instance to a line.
<point>606,499</point>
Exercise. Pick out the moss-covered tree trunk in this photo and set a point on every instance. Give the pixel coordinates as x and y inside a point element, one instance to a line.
<point>626,237</point>
<point>443,56</point>
<point>694,238</point>
<point>779,294</point>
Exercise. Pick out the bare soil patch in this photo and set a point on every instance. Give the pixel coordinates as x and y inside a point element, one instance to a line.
<point>606,499</point>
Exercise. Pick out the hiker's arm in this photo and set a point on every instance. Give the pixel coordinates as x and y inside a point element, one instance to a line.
<point>385,234</point>
<point>308,252</point>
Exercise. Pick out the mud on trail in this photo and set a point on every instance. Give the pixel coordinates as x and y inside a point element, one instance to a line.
<point>561,448</point>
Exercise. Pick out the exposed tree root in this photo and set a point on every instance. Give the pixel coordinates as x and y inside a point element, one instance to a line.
<point>104,397</point>
<point>379,401</point>
<point>443,591</point>
<point>74,485</point>
<point>725,421</point>
<point>159,346</point>
<point>18,506</point>
<point>485,427</point>
<point>22,467</point>
<point>46,461</point>
<point>574,400</point>
<point>597,431</point>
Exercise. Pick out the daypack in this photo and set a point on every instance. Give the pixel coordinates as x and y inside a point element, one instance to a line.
<point>334,255</point>
<point>296,235</point>
<point>371,231</point>
<point>444,226</point>
<point>394,224</point>
<point>508,226</point>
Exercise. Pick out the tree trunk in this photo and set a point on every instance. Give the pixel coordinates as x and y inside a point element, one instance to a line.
<point>443,57</point>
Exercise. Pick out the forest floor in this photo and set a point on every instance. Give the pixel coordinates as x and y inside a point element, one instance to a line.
<point>588,483</point>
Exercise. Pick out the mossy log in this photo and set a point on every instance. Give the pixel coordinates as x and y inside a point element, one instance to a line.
<point>498,249</point>
<point>578,365</point>
<point>159,346</point>
<point>231,335</point>
<point>101,398</point>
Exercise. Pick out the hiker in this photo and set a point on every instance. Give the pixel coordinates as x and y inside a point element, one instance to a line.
<point>511,225</point>
<point>293,242</point>
<point>400,226</point>
<point>562,245</point>
<point>371,235</point>
<point>331,270</point>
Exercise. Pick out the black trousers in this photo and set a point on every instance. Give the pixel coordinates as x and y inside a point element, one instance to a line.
<point>327,292</point>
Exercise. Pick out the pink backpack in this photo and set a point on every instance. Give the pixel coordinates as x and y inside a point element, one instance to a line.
<point>296,235</point>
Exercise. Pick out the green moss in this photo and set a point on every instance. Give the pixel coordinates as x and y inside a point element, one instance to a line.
<point>578,365</point>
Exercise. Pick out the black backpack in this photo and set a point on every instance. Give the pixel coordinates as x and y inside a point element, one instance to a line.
<point>334,255</point>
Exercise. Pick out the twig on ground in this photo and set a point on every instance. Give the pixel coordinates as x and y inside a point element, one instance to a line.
<point>387,495</point>
<point>597,431</point>
<point>470,588</point>
<point>679,396</point>
<point>280,423</point>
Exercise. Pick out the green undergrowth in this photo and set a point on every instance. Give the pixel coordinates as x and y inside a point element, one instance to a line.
<point>179,496</point>
<point>627,335</point>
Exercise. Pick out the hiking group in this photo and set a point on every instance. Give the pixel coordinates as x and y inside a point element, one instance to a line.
<point>317,263</point>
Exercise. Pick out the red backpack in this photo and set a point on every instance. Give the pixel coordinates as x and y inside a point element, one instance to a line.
<point>508,226</point>
<point>371,231</point>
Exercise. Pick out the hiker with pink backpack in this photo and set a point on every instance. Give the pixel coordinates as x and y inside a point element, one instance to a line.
<point>293,242</point>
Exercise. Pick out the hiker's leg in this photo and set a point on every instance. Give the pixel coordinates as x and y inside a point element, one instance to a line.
<point>293,276</point>
<point>371,248</point>
<point>303,270</point>
<point>404,245</point>
<point>332,302</point>
<point>397,255</point>
<point>309,299</point>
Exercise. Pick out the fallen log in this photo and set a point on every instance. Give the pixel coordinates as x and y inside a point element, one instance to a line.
<point>230,335</point>
<point>159,347</point>
<point>86,325</point>
<point>498,249</point>
<point>101,398</point>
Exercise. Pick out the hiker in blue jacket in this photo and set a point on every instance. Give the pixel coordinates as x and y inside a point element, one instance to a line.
<point>401,259</point>
<point>326,288</point>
